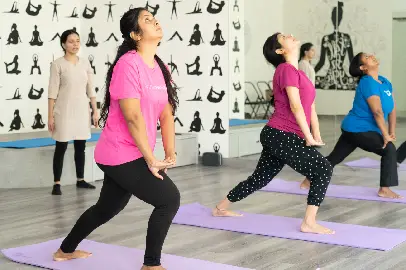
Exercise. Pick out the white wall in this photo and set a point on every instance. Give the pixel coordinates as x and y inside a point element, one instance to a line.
<point>398,65</point>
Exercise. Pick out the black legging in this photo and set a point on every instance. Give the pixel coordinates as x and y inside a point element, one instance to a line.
<point>281,148</point>
<point>59,155</point>
<point>120,183</point>
<point>401,152</point>
<point>371,142</point>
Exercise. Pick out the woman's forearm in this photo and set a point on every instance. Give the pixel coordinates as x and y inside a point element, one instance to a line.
<point>138,131</point>
<point>51,103</point>
<point>392,122</point>
<point>93,104</point>
<point>380,121</point>
<point>168,134</point>
<point>314,122</point>
<point>300,117</point>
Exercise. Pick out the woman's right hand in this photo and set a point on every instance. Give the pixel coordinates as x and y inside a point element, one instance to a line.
<point>51,124</point>
<point>156,165</point>
<point>312,142</point>
<point>387,139</point>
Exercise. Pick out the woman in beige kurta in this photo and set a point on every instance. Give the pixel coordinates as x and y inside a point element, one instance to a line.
<point>69,91</point>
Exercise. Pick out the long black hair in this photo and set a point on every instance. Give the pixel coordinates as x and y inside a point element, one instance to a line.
<point>305,48</point>
<point>128,24</point>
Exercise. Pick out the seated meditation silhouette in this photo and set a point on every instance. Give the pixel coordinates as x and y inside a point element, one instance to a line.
<point>89,13</point>
<point>196,124</point>
<point>35,94</point>
<point>35,66</point>
<point>17,94</point>
<point>217,37</point>
<point>74,13</point>
<point>216,59</point>
<point>14,36</point>
<point>14,8</point>
<point>237,86</point>
<point>91,41</point>
<point>197,67</point>
<point>36,39</point>
<point>15,69</point>
<point>215,7</point>
<point>16,123</point>
<point>196,10</point>
<point>196,36</point>
<point>236,109</point>
<point>217,125</point>
<point>214,96</point>
<point>153,10</point>
<point>38,124</point>
<point>236,47</point>
<point>32,10</point>
<point>197,96</point>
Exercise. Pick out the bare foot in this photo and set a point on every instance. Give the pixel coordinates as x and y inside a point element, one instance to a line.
<point>224,213</point>
<point>77,254</point>
<point>305,184</point>
<point>144,267</point>
<point>385,192</point>
<point>315,228</point>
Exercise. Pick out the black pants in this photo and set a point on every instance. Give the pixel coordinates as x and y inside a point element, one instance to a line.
<point>370,142</point>
<point>401,152</point>
<point>120,183</point>
<point>59,155</point>
<point>280,148</point>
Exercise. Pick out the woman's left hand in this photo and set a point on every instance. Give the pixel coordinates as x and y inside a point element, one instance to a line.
<point>171,158</point>
<point>96,119</point>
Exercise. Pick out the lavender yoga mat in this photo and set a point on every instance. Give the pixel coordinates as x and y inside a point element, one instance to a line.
<point>370,163</point>
<point>105,257</point>
<point>335,191</point>
<point>286,227</point>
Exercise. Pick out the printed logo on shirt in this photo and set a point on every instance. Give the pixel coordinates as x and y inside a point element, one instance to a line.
<point>155,87</point>
<point>388,93</point>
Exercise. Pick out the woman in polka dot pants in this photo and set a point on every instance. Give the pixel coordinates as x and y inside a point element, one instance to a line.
<point>286,139</point>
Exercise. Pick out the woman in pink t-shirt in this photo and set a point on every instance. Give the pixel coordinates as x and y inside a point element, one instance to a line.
<point>287,139</point>
<point>139,93</point>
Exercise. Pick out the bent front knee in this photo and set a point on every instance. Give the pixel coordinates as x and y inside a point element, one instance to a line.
<point>390,149</point>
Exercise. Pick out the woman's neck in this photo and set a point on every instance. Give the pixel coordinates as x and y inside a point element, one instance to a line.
<point>147,53</point>
<point>294,61</point>
<point>306,58</point>
<point>71,57</point>
<point>374,74</point>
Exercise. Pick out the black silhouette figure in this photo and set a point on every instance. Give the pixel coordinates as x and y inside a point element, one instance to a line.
<point>35,66</point>
<point>36,39</point>
<point>151,9</point>
<point>91,60</point>
<point>174,11</point>
<point>14,36</point>
<point>216,147</point>
<point>336,46</point>
<point>173,66</point>
<point>56,36</point>
<point>236,47</point>
<point>237,66</point>
<point>16,95</point>
<point>218,125</point>
<point>15,69</point>
<point>237,25</point>
<point>111,36</point>
<point>110,13</point>
<point>237,86</point>
<point>197,96</point>
<point>35,94</point>
<point>199,148</point>
<point>217,37</point>
<point>196,124</point>
<point>176,34</point>
<point>55,12</point>
<point>1,124</point>
<point>236,6</point>
<point>176,119</point>
<point>89,13</point>
<point>215,7</point>
<point>91,41</point>
<point>107,63</point>
<point>14,8</point>
<point>215,97</point>
<point>38,124</point>
<point>97,91</point>
<point>236,109</point>
<point>196,36</point>
<point>74,13</point>
<point>16,123</point>
<point>197,9</point>
<point>216,59</point>
<point>197,67</point>
<point>32,10</point>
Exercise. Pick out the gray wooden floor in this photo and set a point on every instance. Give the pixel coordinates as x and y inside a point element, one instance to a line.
<point>30,216</point>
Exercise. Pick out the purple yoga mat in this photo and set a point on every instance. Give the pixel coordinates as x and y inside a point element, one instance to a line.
<point>105,257</point>
<point>286,227</point>
<point>370,163</point>
<point>335,191</point>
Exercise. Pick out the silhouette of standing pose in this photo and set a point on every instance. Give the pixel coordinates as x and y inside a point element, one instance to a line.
<point>336,46</point>
<point>196,36</point>
<point>17,122</point>
<point>35,60</point>
<point>15,69</point>
<point>36,40</point>
<point>174,2</point>
<point>38,124</point>
<point>237,66</point>
<point>32,10</point>
<point>196,124</point>
<point>55,12</point>
<point>236,7</point>
<point>216,59</point>
<point>110,13</point>
<point>90,15</point>
<point>14,36</point>
<point>14,8</point>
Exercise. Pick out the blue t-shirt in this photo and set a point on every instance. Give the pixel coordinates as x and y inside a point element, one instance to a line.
<point>361,118</point>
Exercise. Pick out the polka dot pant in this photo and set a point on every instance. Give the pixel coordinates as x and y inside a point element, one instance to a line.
<point>282,148</point>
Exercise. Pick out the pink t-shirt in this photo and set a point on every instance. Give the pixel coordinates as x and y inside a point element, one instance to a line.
<point>132,78</point>
<point>283,118</point>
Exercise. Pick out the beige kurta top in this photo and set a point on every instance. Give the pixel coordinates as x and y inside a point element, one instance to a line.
<point>308,69</point>
<point>71,85</point>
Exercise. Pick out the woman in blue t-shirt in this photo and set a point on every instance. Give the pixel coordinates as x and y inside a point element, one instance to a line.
<point>365,125</point>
